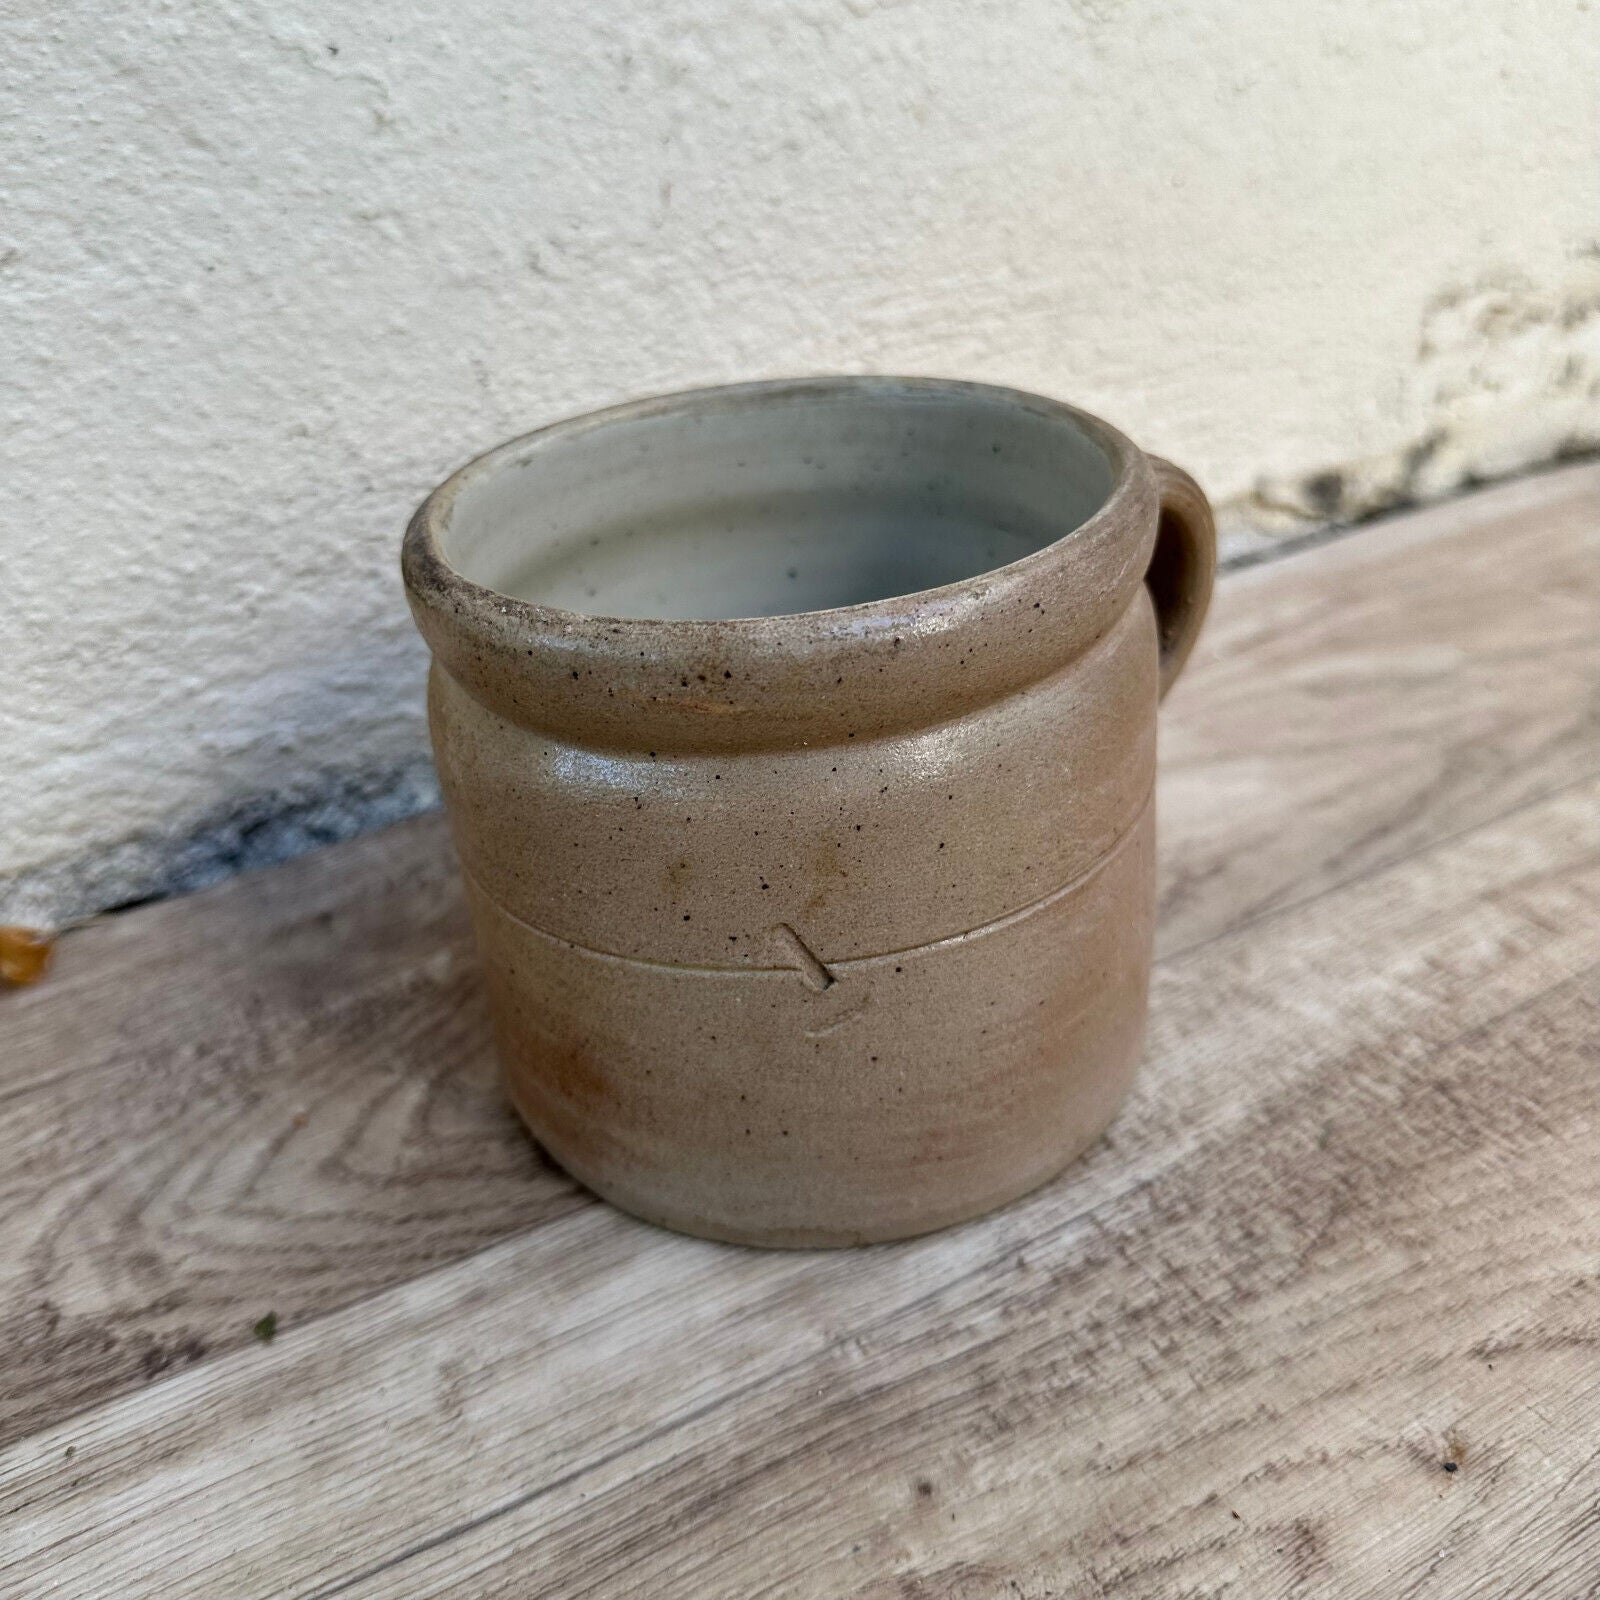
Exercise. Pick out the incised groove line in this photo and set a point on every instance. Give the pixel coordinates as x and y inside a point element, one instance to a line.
<point>817,973</point>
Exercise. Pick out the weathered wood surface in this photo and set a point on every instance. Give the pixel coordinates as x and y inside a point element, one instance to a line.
<point>1346,1233</point>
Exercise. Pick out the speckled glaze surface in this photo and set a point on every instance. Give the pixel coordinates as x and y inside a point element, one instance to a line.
<point>799,745</point>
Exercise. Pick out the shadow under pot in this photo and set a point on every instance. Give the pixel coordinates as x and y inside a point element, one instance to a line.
<point>798,741</point>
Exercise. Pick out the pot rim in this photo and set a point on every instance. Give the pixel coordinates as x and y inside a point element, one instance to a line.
<point>733,681</point>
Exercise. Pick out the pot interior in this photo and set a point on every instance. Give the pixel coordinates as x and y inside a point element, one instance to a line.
<point>771,500</point>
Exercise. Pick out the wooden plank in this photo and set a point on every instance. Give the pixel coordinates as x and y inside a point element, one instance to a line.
<point>276,1096</point>
<point>992,1445</point>
<point>273,1097</point>
<point>1382,692</point>
<point>1344,1233</point>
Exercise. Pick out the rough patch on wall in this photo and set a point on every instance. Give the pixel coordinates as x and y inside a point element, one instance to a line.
<point>257,830</point>
<point>1506,376</point>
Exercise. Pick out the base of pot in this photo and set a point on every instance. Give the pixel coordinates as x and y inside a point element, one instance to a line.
<point>646,1206</point>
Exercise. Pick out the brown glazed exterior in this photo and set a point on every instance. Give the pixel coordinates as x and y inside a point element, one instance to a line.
<point>833,925</point>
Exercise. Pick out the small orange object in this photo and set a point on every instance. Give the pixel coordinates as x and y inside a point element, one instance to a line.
<point>24,954</point>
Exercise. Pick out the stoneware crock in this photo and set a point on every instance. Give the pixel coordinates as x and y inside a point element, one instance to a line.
<point>798,740</point>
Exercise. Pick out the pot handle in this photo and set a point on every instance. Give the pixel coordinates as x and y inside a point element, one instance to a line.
<point>1182,566</point>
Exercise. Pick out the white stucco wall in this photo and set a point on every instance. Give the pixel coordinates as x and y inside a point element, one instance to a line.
<point>267,271</point>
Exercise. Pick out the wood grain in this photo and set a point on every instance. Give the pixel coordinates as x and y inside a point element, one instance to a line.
<point>277,1097</point>
<point>1345,1232</point>
<point>1382,692</point>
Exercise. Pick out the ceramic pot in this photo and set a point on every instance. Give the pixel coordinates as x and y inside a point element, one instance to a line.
<point>798,741</point>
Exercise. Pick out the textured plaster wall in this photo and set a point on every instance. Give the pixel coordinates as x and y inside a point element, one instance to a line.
<point>267,271</point>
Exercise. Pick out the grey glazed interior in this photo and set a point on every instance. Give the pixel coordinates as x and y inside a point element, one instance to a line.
<point>801,503</point>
